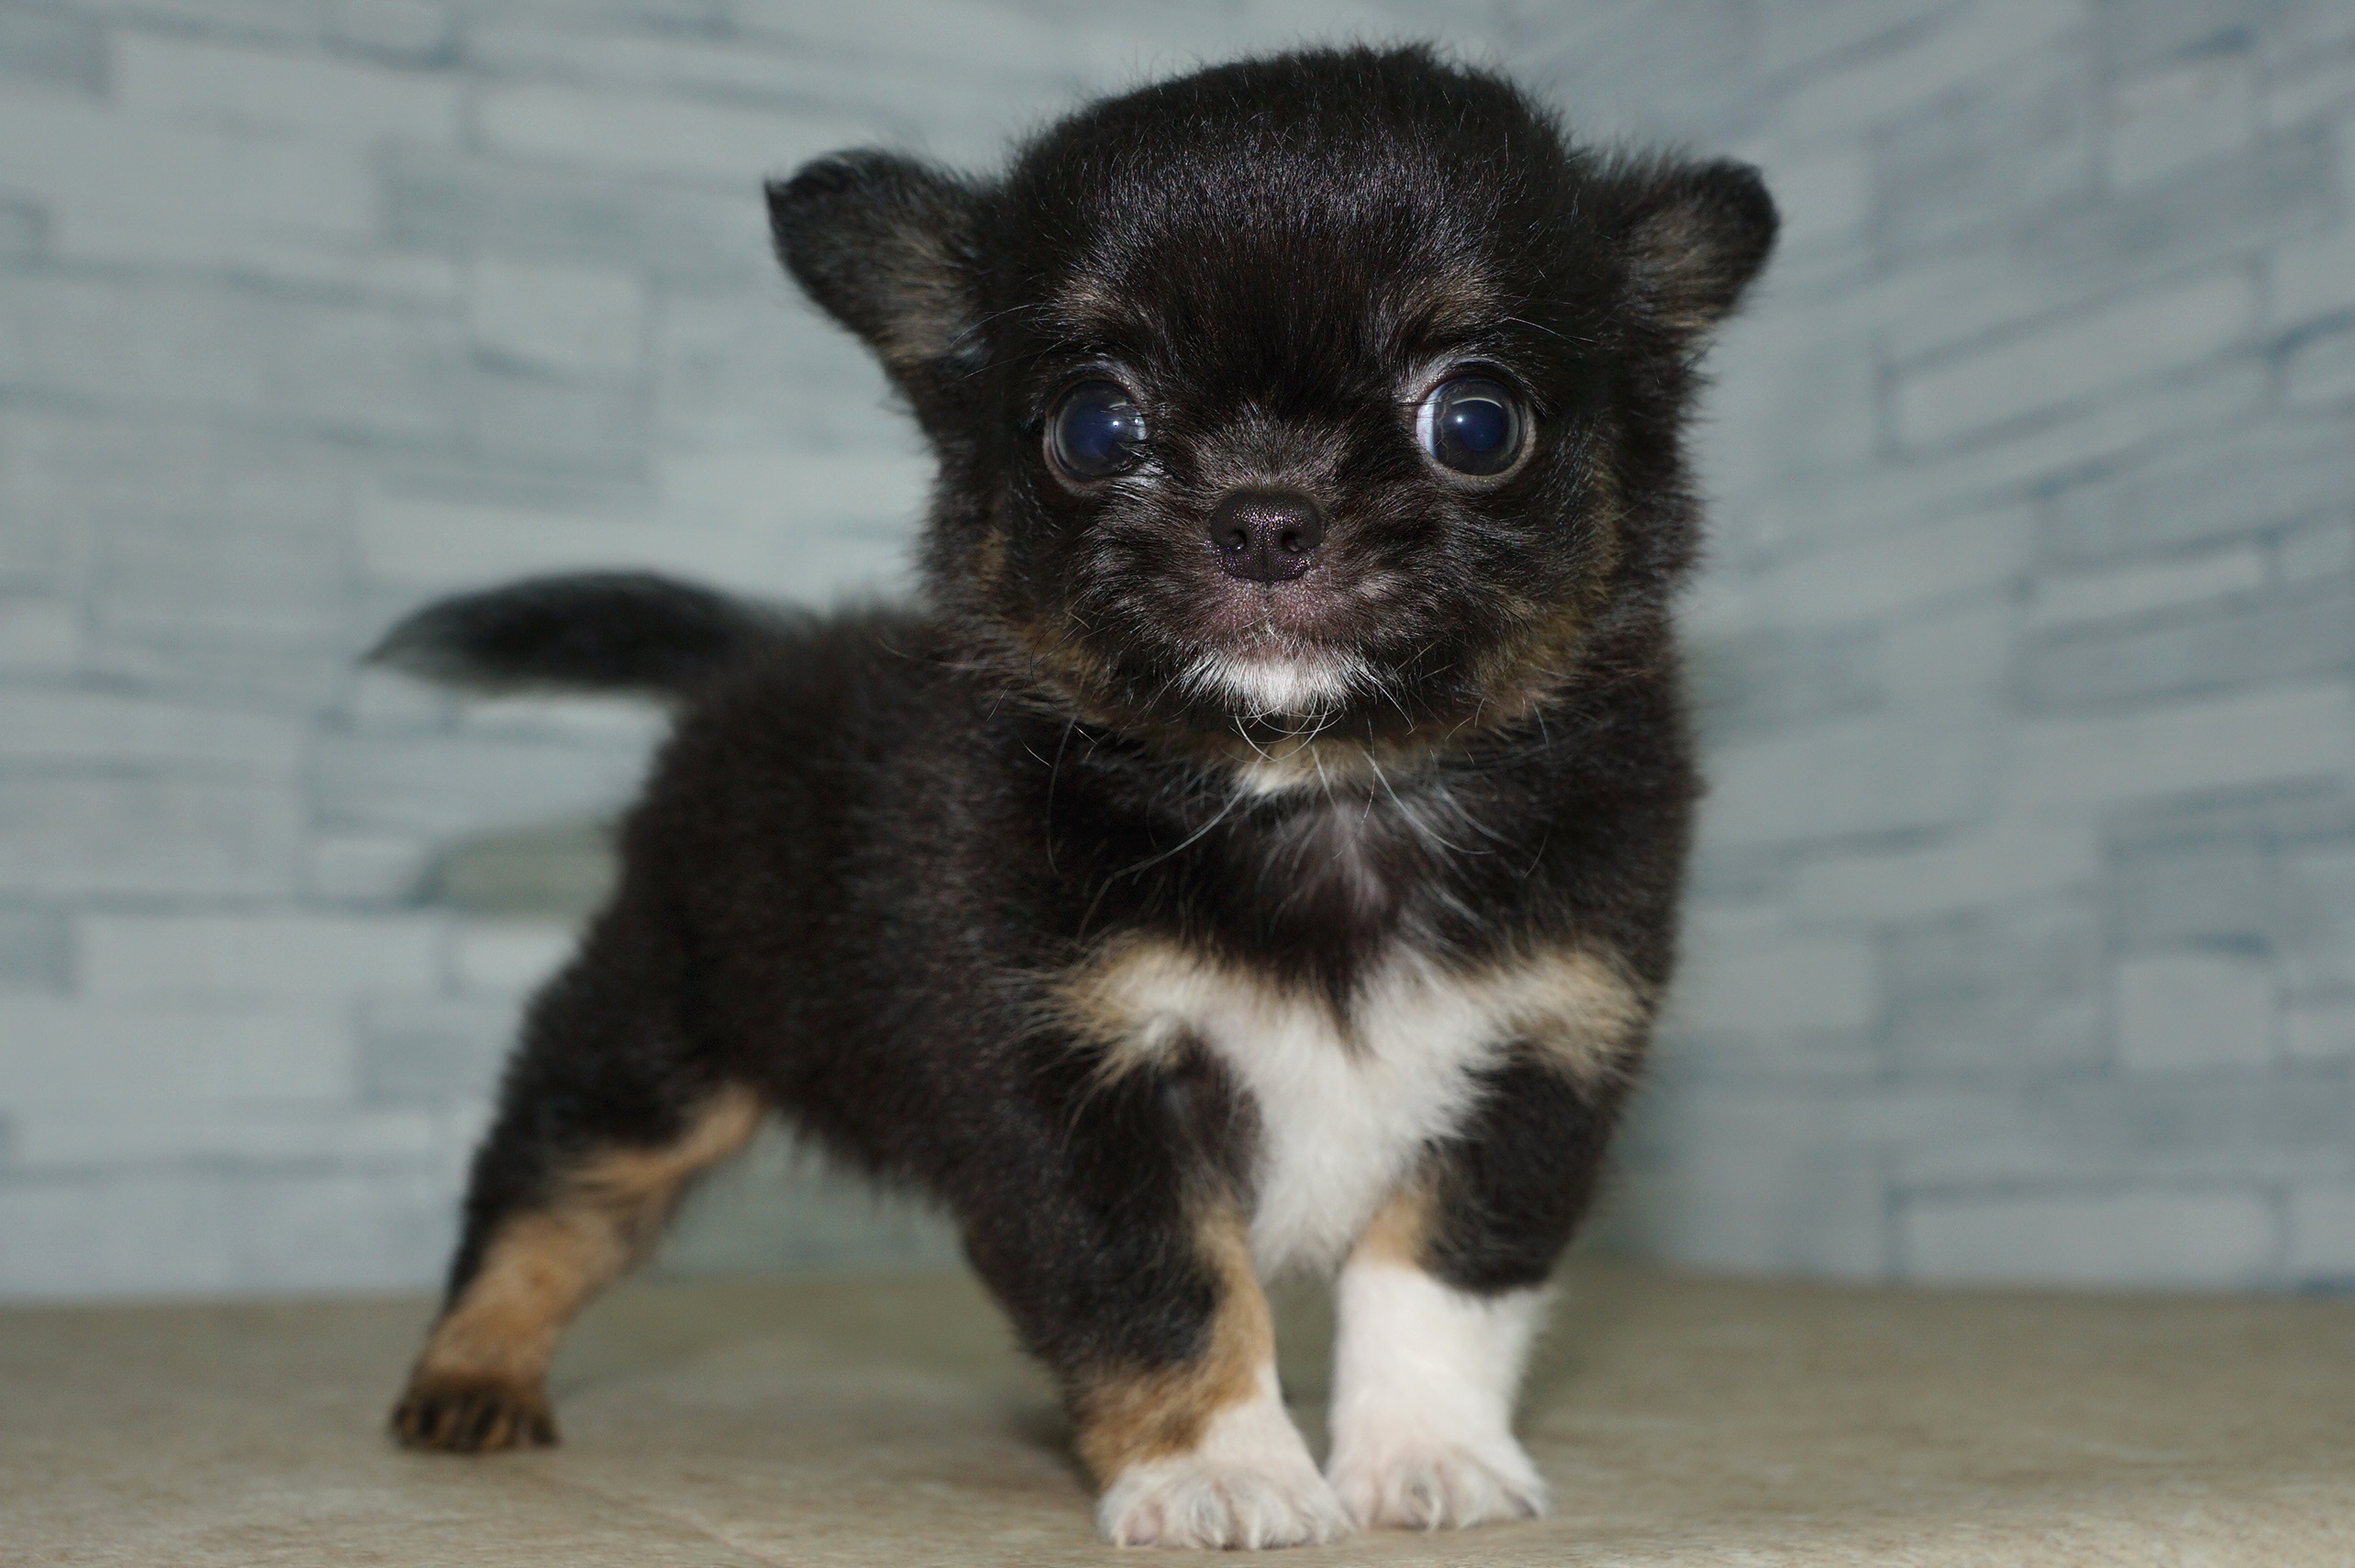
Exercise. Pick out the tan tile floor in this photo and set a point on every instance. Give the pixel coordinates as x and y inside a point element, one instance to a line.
<point>886,1422</point>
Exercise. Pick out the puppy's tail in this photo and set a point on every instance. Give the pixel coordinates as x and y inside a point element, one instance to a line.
<point>591,631</point>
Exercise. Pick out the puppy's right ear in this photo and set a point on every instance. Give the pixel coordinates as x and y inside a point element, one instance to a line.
<point>884,244</point>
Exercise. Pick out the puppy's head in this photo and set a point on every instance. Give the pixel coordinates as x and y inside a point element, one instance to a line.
<point>1332,391</point>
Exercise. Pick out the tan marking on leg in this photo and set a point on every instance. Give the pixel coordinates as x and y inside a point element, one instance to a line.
<point>536,1274</point>
<point>1400,1230</point>
<point>477,1384</point>
<point>1127,1418</point>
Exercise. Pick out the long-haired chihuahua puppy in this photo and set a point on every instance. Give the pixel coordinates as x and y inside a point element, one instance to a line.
<point>1259,848</point>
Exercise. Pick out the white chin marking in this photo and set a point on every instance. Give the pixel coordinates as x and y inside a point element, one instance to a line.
<point>1424,1378</point>
<point>1269,685</point>
<point>1249,1483</point>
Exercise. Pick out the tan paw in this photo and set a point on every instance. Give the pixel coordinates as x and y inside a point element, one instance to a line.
<point>472,1415</point>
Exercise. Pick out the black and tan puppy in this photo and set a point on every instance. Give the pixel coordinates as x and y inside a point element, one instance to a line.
<point>1259,849</point>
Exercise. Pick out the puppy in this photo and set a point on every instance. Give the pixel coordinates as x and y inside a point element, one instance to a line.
<point>1259,848</point>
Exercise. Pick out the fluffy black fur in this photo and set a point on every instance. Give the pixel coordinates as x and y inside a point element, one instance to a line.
<point>598,631</point>
<point>877,842</point>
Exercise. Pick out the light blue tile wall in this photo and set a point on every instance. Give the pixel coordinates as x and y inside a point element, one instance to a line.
<point>2024,941</point>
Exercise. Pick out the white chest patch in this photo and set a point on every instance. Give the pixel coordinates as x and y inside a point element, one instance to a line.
<point>1346,1109</point>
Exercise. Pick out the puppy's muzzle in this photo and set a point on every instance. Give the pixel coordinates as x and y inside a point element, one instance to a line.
<point>1266,536</point>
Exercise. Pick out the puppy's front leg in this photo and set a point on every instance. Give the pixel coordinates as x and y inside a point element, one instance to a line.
<point>1201,1451</point>
<point>1440,1301</point>
<point>1103,1213</point>
<point>1424,1379</point>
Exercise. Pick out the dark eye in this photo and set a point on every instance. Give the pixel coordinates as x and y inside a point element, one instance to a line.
<point>1096,432</point>
<point>1473,425</point>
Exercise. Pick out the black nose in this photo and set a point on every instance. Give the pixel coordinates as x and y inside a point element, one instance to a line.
<point>1266,536</point>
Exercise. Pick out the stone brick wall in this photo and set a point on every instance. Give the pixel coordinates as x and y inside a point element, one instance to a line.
<point>2025,936</point>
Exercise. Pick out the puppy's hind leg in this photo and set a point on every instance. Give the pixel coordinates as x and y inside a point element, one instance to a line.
<point>597,1140</point>
<point>479,1384</point>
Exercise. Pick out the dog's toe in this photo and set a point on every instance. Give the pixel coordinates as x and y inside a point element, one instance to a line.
<point>1439,1485</point>
<point>473,1416</point>
<point>1194,1501</point>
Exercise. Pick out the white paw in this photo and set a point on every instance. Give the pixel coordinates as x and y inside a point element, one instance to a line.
<point>1423,1400</point>
<point>1192,1501</point>
<point>1248,1483</point>
<point>1435,1485</point>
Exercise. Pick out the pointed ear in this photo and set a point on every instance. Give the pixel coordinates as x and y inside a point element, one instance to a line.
<point>1693,236</point>
<point>884,244</point>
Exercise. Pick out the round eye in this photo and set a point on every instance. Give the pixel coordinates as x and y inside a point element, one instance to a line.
<point>1473,425</point>
<point>1096,432</point>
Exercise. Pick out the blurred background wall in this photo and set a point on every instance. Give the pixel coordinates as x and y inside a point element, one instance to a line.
<point>2024,938</point>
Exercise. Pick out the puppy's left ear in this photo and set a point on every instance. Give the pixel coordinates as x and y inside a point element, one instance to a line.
<point>1692,236</point>
<point>884,244</point>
